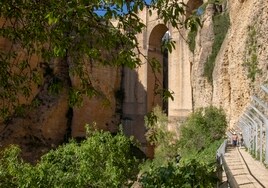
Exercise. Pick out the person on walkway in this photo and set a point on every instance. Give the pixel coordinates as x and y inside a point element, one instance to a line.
<point>235,138</point>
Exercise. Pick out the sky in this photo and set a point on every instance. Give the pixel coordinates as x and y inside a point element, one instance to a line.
<point>102,12</point>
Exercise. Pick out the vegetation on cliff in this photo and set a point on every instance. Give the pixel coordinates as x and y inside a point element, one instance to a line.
<point>221,23</point>
<point>251,56</point>
<point>104,160</point>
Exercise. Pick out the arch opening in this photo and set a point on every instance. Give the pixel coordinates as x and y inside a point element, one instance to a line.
<point>157,81</point>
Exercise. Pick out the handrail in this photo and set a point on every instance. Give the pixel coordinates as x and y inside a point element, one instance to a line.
<point>220,158</point>
<point>221,151</point>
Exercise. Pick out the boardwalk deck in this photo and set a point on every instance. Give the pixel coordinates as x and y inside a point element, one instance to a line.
<point>241,170</point>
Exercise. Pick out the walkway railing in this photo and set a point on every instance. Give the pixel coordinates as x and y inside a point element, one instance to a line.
<point>253,124</point>
<point>221,151</point>
<point>221,160</point>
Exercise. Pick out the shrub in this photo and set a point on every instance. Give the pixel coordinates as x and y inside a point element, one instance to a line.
<point>201,129</point>
<point>191,40</point>
<point>102,160</point>
<point>158,135</point>
<point>189,174</point>
<point>201,135</point>
<point>251,56</point>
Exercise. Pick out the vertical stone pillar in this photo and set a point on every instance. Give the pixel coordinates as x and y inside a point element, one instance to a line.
<point>135,86</point>
<point>180,79</point>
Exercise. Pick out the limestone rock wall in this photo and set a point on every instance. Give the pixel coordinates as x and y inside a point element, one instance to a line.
<point>232,88</point>
<point>104,109</point>
<point>48,119</point>
<point>53,122</point>
<point>202,89</point>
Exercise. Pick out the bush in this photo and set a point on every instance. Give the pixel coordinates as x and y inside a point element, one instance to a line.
<point>201,129</point>
<point>158,135</point>
<point>102,160</point>
<point>251,56</point>
<point>188,174</point>
<point>200,137</point>
<point>191,40</point>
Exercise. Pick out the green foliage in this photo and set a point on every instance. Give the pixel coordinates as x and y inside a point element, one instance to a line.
<point>168,45</point>
<point>201,135</point>
<point>205,156</point>
<point>192,22</point>
<point>221,23</point>
<point>69,36</point>
<point>159,136</point>
<point>202,128</point>
<point>191,40</point>
<point>55,86</point>
<point>102,160</point>
<point>189,174</point>
<point>156,123</point>
<point>251,57</point>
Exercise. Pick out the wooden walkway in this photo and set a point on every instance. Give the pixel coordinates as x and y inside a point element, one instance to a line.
<point>242,166</point>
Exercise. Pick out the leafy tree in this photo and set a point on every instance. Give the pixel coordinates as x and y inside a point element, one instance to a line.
<point>189,174</point>
<point>200,137</point>
<point>158,135</point>
<point>102,160</point>
<point>202,128</point>
<point>67,37</point>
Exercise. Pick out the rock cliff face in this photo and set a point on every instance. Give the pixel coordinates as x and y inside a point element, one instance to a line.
<point>202,89</point>
<point>244,47</point>
<point>52,122</point>
<point>49,120</point>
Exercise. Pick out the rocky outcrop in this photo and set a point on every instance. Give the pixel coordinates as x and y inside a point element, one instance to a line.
<point>103,109</point>
<point>202,89</point>
<point>232,86</point>
<point>50,121</point>
<point>41,127</point>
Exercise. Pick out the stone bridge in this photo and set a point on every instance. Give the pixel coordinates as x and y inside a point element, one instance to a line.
<point>175,75</point>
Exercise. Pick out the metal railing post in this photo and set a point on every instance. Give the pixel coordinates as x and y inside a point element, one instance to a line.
<point>247,134</point>
<point>261,133</point>
<point>265,120</point>
<point>256,133</point>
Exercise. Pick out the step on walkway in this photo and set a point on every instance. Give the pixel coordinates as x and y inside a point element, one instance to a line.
<point>240,171</point>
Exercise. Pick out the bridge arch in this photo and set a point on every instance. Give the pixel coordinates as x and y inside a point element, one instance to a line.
<point>176,76</point>
<point>159,80</point>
